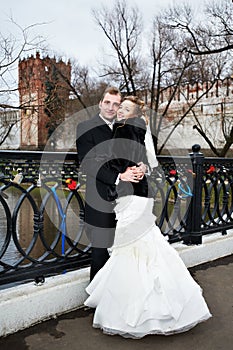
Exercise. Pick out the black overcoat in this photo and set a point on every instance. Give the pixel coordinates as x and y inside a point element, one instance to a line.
<point>93,146</point>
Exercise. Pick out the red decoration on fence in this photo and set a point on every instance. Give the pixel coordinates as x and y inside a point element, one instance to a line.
<point>71,184</point>
<point>210,170</point>
<point>173,172</point>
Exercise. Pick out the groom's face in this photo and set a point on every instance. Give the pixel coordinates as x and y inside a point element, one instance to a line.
<point>109,106</point>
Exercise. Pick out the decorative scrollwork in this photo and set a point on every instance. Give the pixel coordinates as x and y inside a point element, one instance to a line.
<point>42,208</point>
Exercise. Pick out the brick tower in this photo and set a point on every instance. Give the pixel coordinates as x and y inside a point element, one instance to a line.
<point>43,93</point>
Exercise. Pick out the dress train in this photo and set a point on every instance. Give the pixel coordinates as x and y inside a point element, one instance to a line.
<point>144,288</point>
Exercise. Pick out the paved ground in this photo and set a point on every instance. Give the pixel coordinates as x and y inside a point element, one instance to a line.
<point>74,331</point>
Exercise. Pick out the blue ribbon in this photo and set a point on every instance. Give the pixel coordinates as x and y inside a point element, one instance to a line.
<point>63,220</point>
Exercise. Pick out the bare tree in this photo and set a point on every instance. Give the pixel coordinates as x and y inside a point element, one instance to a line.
<point>85,86</point>
<point>209,44</point>
<point>208,130</point>
<point>214,33</point>
<point>170,66</point>
<point>12,48</point>
<point>122,25</point>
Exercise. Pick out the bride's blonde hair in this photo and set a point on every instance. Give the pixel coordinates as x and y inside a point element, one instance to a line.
<point>140,106</point>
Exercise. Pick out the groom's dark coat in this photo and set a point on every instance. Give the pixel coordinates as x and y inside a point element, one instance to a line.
<point>93,145</point>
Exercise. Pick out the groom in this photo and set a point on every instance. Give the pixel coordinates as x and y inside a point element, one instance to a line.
<point>92,142</point>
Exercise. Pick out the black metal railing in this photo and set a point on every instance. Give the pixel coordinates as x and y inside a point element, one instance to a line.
<point>41,211</point>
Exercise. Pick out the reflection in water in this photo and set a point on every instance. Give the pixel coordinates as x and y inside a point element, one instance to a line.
<point>28,240</point>
<point>27,237</point>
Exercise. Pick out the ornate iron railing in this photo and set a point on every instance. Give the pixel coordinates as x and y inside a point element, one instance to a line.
<point>34,199</point>
<point>199,195</point>
<point>41,219</point>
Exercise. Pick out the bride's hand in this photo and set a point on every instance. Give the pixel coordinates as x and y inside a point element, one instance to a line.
<point>143,169</point>
<point>132,174</point>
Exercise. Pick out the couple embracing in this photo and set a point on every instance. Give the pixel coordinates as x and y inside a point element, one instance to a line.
<point>143,287</point>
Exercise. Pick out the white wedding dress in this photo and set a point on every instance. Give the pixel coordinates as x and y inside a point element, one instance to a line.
<point>144,288</point>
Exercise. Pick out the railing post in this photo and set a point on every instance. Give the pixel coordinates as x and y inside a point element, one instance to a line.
<point>193,235</point>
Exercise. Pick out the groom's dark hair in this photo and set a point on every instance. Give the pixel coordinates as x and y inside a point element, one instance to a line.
<point>112,90</point>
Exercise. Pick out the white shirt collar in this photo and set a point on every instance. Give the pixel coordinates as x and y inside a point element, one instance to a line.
<point>108,122</point>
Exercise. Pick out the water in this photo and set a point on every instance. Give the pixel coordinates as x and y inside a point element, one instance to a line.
<point>24,238</point>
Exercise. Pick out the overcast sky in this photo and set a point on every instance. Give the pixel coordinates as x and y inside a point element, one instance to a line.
<point>70,30</point>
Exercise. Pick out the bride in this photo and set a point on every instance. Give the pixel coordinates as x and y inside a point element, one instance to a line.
<point>144,288</point>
